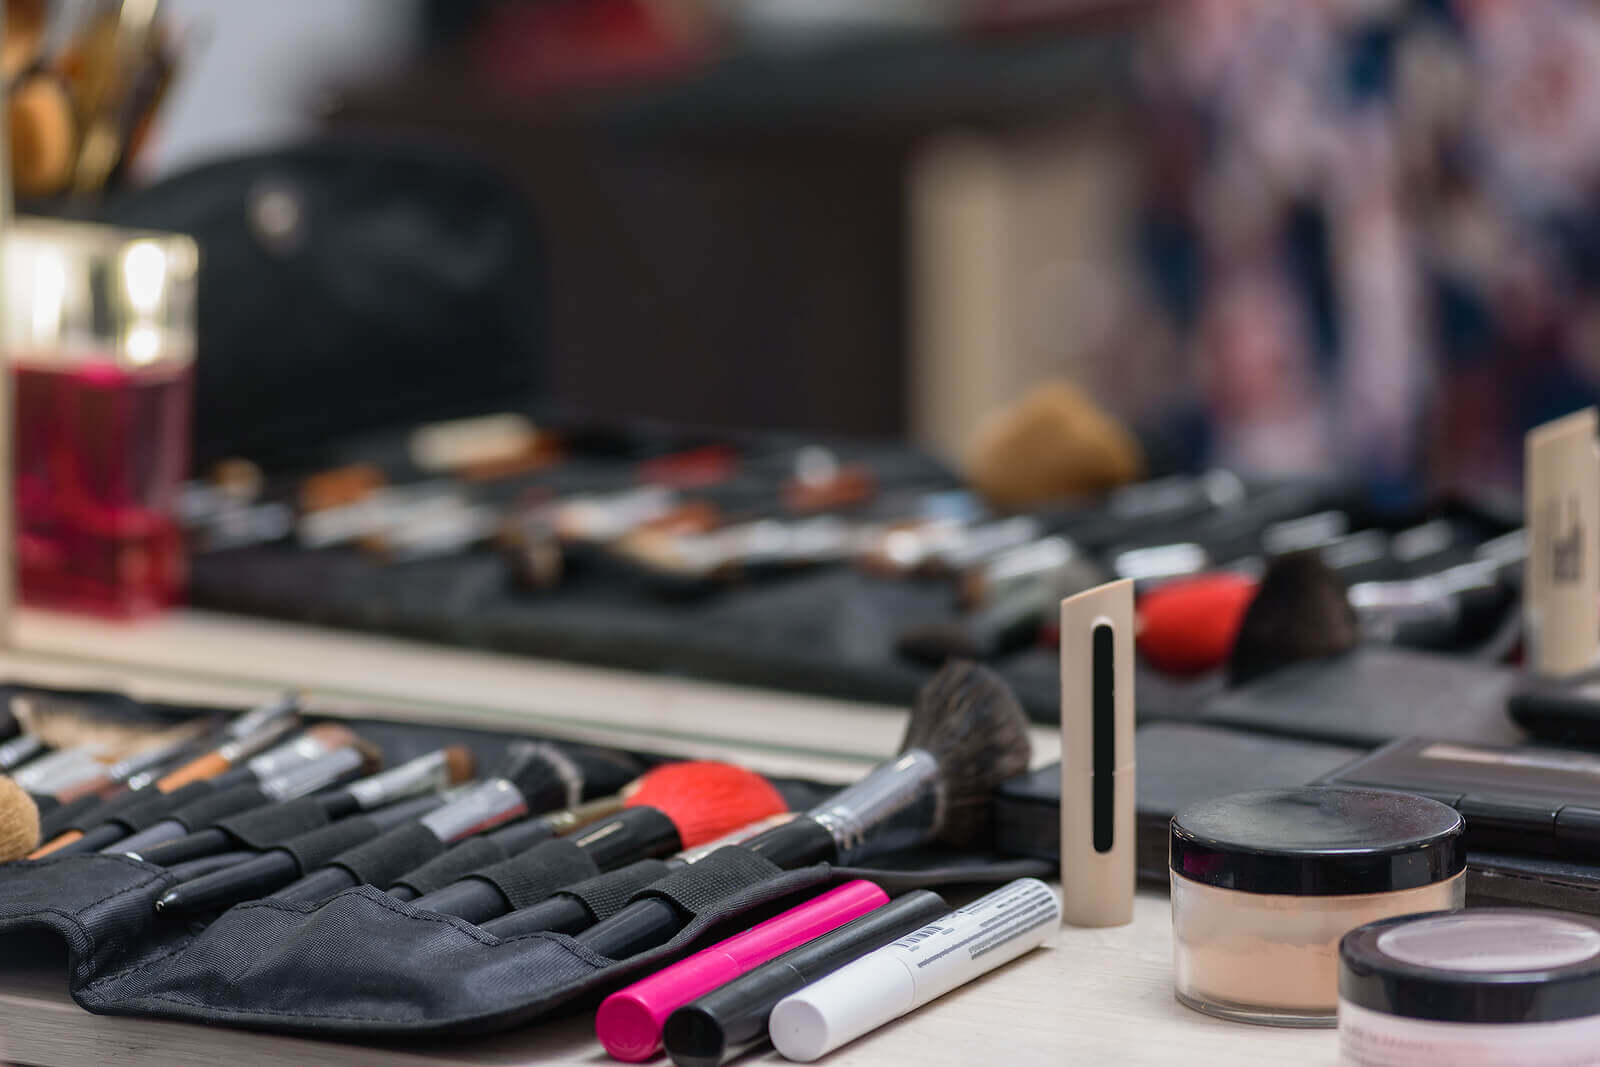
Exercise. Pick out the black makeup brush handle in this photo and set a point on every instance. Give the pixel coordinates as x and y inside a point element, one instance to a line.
<point>221,861</point>
<point>799,842</point>
<point>63,817</point>
<point>559,914</point>
<point>146,807</point>
<point>193,846</point>
<point>632,834</point>
<point>285,862</point>
<point>654,916</point>
<point>201,813</point>
<point>641,926</point>
<point>523,879</point>
<point>578,907</point>
<point>93,840</point>
<point>377,862</point>
<point>530,876</point>
<point>220,889</point>
<point>473,854</point>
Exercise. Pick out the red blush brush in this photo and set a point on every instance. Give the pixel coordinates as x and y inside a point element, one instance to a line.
<point>675,807</point>
<point>1188,626</point>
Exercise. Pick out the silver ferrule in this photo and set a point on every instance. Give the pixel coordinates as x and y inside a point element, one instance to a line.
<point>19,750</point>
<point>59,770</point>
<point>1160,562</point>
<point>896,806</point>
<point>140,762</point>
<point>737,837</point>
<point>258,719</point>
<point>490,804</point>
<point>425,774</point>
<point>288,756</point>
<point>987,540</point>
<point>313,775</point>
<point>268,735</point>
<point>1303,532</point>
<point>1052,563</point>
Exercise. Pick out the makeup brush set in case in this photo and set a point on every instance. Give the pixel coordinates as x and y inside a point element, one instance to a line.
<point>846,569</point>
<point>278,870</point>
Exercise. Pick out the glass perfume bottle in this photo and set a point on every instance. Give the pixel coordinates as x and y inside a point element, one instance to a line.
<point>100,333</point>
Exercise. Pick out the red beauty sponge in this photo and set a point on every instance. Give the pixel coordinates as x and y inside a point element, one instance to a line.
<point>1188,626</point>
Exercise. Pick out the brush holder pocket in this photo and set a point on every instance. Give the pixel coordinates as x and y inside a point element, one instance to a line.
<point>364,963</point>
<point>530,876</point>
<point>361,963</point>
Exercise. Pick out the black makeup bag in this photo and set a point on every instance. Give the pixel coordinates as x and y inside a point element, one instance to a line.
<point>366,964</point>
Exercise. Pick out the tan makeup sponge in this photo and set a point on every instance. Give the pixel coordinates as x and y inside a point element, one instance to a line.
<point>1051,445</point>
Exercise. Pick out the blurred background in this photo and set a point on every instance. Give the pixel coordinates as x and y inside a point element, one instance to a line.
<point>786,329</point>
<point>1343,234</point>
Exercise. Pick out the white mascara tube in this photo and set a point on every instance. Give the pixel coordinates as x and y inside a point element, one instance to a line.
<point>922,966</point>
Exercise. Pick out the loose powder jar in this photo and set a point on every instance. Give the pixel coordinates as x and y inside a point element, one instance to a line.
<point>1472,989</point>
<point>1265,883</point>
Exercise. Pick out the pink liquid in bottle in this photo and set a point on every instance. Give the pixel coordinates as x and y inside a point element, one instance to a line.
<point>100,452</point>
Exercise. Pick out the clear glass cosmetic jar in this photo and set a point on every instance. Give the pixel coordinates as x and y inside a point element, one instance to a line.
<point>1265,883</point>
<point>1475,988</point>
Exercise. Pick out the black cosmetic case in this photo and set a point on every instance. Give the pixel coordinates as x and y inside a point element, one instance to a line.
<point>365,964</point>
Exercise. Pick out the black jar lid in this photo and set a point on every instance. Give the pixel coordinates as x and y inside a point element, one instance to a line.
<point>1492,965</point>
<point>1317,841</point>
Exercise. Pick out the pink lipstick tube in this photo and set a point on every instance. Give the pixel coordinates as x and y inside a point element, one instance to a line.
<point>629,1021</point>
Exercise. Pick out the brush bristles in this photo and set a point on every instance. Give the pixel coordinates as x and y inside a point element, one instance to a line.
<point>1301,611</point>
<point>371,755</point>
<point>460,764</point>
<point>967,718</point>
<point>332,735</point>
<point>543,774</point>
<point>706,800</point>
<point>604,771</point>
<point>19,821</point>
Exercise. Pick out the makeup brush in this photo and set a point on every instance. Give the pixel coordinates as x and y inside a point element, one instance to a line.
<point>65,723</point>
<point>259,873</point>
<point>1300,612</point>
<point>62,768</point>
<point>242,737</point>
<point>966,735</point>
<point>228,764</point>
<point>1188,625</point>
<point>571,908</point>
<point>476,853</point>
<point>685,805</point>
<point>536,777</point>
<point>19,821</point>
<point>428,773</point>
<point>161,751</point>
<point>120,779</point>
<point>324,755</point>
<point>241,740</point>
